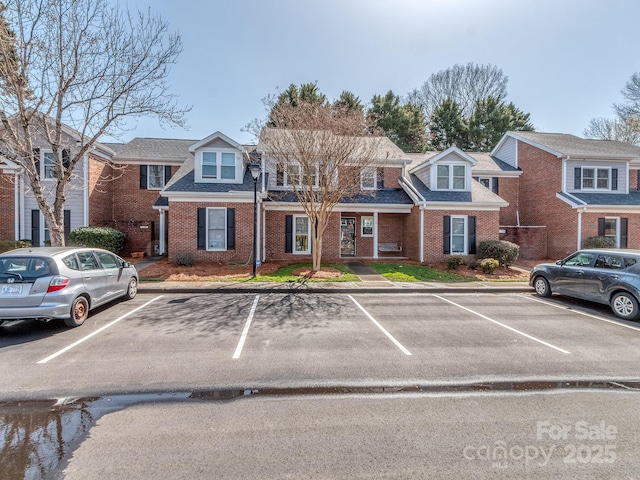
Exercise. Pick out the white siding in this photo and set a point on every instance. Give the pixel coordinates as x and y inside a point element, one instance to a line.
<point>572,164</point>
<point>508,152</point>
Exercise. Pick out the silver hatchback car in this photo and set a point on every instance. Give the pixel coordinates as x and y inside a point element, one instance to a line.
<point>611,277</point>
<point>47,283</point>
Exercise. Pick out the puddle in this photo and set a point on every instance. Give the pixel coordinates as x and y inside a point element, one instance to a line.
<point>37,437</point>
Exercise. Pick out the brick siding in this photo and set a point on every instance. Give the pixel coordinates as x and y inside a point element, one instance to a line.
<point>7,207</point>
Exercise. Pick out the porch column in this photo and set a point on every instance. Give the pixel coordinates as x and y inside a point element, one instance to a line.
<point>579,229</point>
<point>375,234</point>
<point>161,245</point>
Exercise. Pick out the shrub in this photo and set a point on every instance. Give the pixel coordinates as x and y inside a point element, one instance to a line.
<point>599,242</point>
<point>489,265</point>
<point>6,245</point>
<point>454,262</point>
<point>505,252</point>
<point>98,237</point>
<point>185,259</point>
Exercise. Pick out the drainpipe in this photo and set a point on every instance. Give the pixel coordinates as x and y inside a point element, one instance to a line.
<point>375,234</point>
<point>16,208</point>
<point>161,245</point>
<point>421,234</point>
<point>579,229</point>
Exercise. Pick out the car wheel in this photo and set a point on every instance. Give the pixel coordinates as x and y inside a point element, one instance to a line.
<point>625,305</point>
<point>79,312</point>
<point>132,289</point>
<point>542,287</point>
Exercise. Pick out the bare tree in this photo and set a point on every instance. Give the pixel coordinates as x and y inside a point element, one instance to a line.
<point>72,71</point>
<point>623,129</point>
<point>631,92</point>
<point>463,84</point>
<point>323,150</point>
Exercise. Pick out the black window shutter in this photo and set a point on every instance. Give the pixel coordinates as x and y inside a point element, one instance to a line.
<point>288,239</point>
<point>471,223</point>
<point>202,228</point>
<point>167,174</point>
<point>614,179</point>
<point>67,223</point>
<point>577,178</point>
<point>601,227</point>
<point>35,228</point>
<point>279,177</point>
<point>66,158</point>
<point>380,178</point>
<point>446,237</point>
<point>231,228</point>
<point>143,177</point>
<point>624,226</point>
<point>36,159</point>
<point>495,185</point>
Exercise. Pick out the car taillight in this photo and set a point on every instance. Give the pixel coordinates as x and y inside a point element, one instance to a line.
<point>58,283</point>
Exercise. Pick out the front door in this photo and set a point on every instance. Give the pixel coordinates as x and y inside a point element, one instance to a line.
<point>348,237</point>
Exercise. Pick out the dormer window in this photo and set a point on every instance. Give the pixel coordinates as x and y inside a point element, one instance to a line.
<point>219,165</point>
<point>596,178</point>
<point>368,179</point>
<point>451,177</point>
<point>292,175</point>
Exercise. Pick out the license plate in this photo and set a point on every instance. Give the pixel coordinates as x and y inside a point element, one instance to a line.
<point>11,288</point>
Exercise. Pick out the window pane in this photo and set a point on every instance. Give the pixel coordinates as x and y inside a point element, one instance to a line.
<point>301,240</point>
<point>49,170</point>
<point>367,226</point>
<point>458,177</point>
<point>368,179</point>
<point>216,232</point>
<point>443,176</point>
<point>209,164</point>
<point>603,178</point>
<point>293,174</point>
<point>155,177</point>
<point>587,178</point>
<point>457,244</point>
<point>228,169</point>
<point>457,226</point>
<point>486,182</point>
<point>107,260</point>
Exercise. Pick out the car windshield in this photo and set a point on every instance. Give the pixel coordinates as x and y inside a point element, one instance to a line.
<point>27,267</point>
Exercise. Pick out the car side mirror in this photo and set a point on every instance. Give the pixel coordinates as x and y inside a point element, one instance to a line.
<point>126,264</point>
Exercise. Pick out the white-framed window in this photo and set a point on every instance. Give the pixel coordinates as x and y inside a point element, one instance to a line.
<point>458,236</point>
<point>216,228</point>
<point>293,174</point>
<point>596,178</point>
<point>48,165</point>
<point>155,177</point>
<point>368,179</point>
<point>301,234</point>
<point>218,165</point>
<point>366,226</point>
<point>451,177</point>
<point>486,182</point>
<point>612,229</point>
<point>210,164</point>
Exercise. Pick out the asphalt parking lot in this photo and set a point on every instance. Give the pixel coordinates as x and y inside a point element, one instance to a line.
<point>202,341</point>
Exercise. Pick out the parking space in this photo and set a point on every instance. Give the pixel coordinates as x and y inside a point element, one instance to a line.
<point>175,341</point>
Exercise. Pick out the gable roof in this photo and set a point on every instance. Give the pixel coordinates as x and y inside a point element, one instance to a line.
<point>152,149</point>
<point>566,145</point>
<point>478,195</point>
<point>214,136</point>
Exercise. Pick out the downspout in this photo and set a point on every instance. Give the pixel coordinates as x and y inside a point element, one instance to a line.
<point>422,212</point>
<point>263,229</point>
<point>16,209</point>
<point>375,234</point>
<point>579,229</point>
<point>22,218</point>
<point>161,245</point>
<point>85,162</point>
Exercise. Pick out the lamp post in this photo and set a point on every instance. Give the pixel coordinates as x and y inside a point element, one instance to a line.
<point>254,168</point>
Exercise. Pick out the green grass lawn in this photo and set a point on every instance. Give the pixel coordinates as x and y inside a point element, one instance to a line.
<point>416,273</point>
<point>284,274</point>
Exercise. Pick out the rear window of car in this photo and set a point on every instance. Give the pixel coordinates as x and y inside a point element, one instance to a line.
<point>71,262</point>
<point>27,267</point>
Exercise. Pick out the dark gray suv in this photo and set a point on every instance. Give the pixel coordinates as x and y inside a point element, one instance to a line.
<point>61,283</point>
<point>611,277</point>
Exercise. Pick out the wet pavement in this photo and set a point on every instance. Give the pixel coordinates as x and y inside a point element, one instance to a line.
<point>38,437</point>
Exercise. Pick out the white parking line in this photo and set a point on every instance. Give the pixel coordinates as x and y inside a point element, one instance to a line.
<point>396,342</point>
<point>245,331</point>
<point>503,325</point>
<point>602,319</point>
<point>75,344</point>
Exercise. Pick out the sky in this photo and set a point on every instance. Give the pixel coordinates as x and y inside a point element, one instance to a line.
<point>566,60</point>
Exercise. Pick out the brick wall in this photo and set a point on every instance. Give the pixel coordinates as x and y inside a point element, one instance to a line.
<point>391,230</point>
<point>540,181</point>
<point>7,207</point>
<point>486,229</point>
<point>391,175</point>
<point>508,190</point>
<point>411,240</point>
<point>183,232</point>
<point>100,192</point>
<point>590,227</point>
<point>531,240</point>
